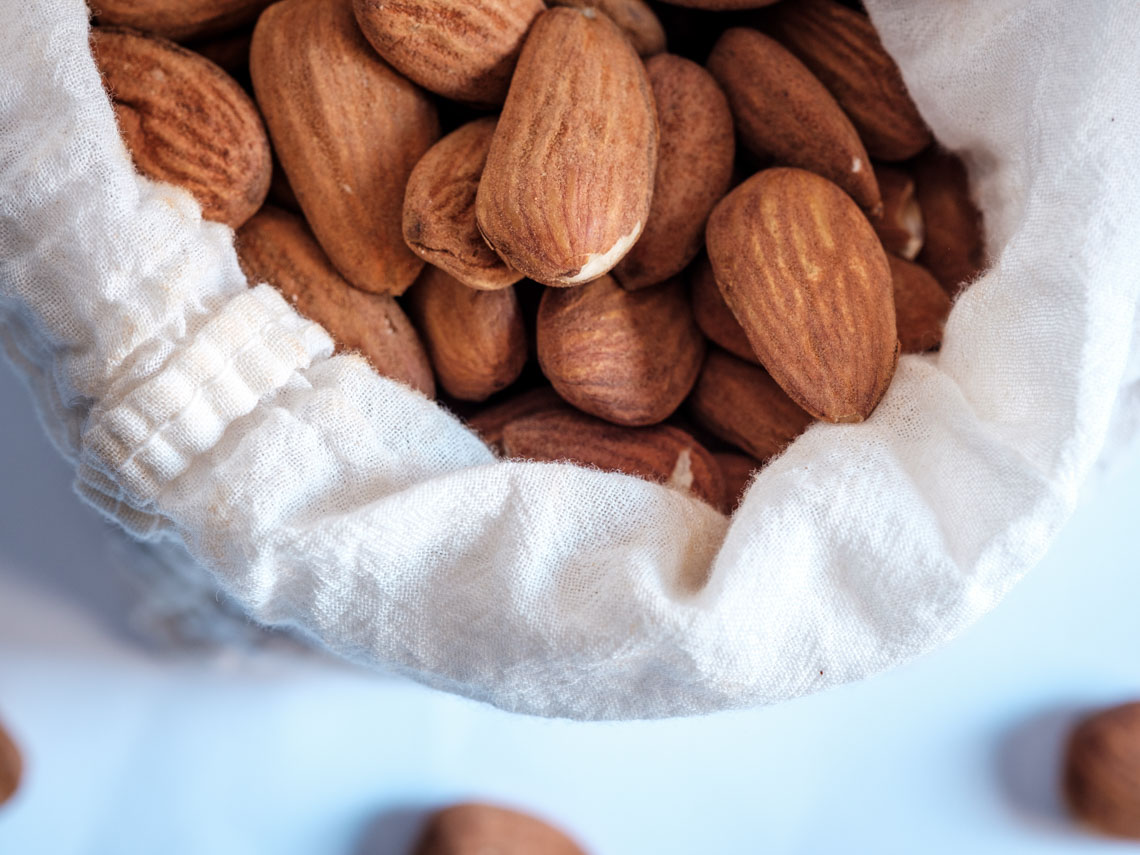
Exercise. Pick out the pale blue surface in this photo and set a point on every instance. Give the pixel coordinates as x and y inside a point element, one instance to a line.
<point>135,750</point>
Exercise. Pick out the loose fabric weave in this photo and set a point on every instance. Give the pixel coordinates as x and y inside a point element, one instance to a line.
<point>331,500</point>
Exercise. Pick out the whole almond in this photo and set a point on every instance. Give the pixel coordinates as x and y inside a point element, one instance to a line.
<point>490,421</point>
<point>806,277</point>
<point>737,471</point>
<point>439,209</point>
<point>921,306</point>
<point>479,829</point>
<point>713,315</point>
<point>476,339</point>
<point>460,49</point>
<point>11,766</point>
<point>277,247</point>
<point>180,19</point>
<point>954,249</point>
<point>843,49</point>
<point>634,17</point>
<point>568,182</point>
<point>900,227</point>
<point>186,122</point>
<point>783,111</point>
<point>629,357</point>
<point>742,405</point>
<point>694,168</point>
<point>661,453</point>
<point>347,130</point>
<point>1101,779</point>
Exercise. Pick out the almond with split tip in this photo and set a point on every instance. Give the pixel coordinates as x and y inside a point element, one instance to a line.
<point>476,339</point>
<point>179,19</point>
<point>843,50</point>
<point>347,130</point>
<point>660,453</point>
<point>277,247</point>
<point>921,306</point>
<point>694,168</point>
<point>490,421</point>
<point>439,209</point>
<point>900,226</point>
<point>629,357</point>
<point>568,182</point>
<point>713,315</point>
<point>954,248</point>
<point>634,17</point>
<point>737,470</point>
<point>186,122</point>
<point>782,111</point>
<point>11,767</point>
<point>805,275</point>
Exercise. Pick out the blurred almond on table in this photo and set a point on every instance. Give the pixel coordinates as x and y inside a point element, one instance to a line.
<point>179,19</point>
<point>954,249</point>
<point>11,766</point>
<point>921,306</point>
<point>1101,779</point>
<point>713,315</point>
<point>634,17</point>
<point>900,226</point>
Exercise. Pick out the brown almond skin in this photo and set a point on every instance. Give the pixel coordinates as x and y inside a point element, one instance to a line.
<point>921,306</point>
<point>805,275</point>
<point>629,357</point>
<point>186,122</point>
<point>490,422</point>
<point>694,168</point>
<point>742,405</point>
<point>635,18</point>
<point>347,130</point>
<point>1101,780</point>
<point>568,183</point>
<point>180,19</point>
<point>737,471</point>
<point>476,339</point>
<point>11,767</point>
<point>713,315</point>
<point>277,247</point>
<point>461,49</point>
<point>782,111</point>
<point>480,829</point>
<point>843,50</point>
<point>900,227</point>
<point>954,249</point>
<point>660,453</point>
<point>439,209</point>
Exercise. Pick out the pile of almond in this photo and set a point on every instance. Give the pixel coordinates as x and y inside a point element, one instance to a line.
<point>667,264</point>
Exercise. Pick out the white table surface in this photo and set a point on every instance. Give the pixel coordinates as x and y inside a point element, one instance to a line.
<point>137,748</point>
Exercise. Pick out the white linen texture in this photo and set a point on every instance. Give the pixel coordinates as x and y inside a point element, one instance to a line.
<point>327,499</point>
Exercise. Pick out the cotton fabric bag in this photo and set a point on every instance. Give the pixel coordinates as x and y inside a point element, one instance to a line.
<point>323,497</point>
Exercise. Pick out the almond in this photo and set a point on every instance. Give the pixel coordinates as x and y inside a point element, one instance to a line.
<point>806,277</point>
<point>660,453</point>
<point>277,247</point>
<point>476,339</point>
<point>900,227</point>
<point>954,250</point>
<point>713,315</point>
<point>1101,781</point>
<point>180,19</point>
<point>634,17</point>
<point>737,470</point>
<point>921,306</point>
<point>490,421</point>
<point>439,209</point>
<point>186,122</point>
<point>629,357</point>
<point>11,767</point>
<point>742,405</point>
<point>783,111</point>
<point>478,829</point>
<point>569,178</point>
<point>694,168</point>
<point>347,130</point>
<point>460,49</point>
<point>843,50</point>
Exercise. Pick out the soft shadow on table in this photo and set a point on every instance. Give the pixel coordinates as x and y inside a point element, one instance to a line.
<point>394,831</point>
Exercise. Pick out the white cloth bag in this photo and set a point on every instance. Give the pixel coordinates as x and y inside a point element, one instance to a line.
<point>326,498</point>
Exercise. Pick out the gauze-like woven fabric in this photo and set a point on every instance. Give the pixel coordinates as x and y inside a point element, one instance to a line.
<point>328,499</point>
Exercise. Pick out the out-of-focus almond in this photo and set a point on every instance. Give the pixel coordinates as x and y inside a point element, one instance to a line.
<point>713,315</point>
<point>634,17</point>
<point>568,182</point>
<point>180,19</point>
<point>694,168</point>
<point>900,227</point>
<point>11,767</point>
<point>1101,777</point>
<point>954,249</point>
<point>629,357</point>
<point>480,829</point>
<point>490,421</point>
<point>277,247</point>
<point>737,471</point>
<point>921,306</point>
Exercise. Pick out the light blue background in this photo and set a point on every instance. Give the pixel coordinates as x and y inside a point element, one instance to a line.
<point>134,749</point>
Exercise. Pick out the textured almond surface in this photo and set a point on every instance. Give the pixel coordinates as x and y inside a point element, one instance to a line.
<point>179,19</point>
<point>954,249</point>
<point>490,421</point>
<point>783,111</point>
<point>900,227</point>
<point>742,405</point>
<point>186,122</point>
<point>11,767</point>
<point>277,247</point>
<point>1102,771</point>
<point>661,453</point>
<point>478,829</point>
<point>842,48</point>
<point>634,17</point>
<point>713,315</point>
<point>439,209</point>
<point>806,277</point>
<point>921,306</point>
<point>476,339</point>
<point>629,357</point>
<point>568,182</point>
<point>694,167</point>
<point>347,130</point>
<point>737,471</point>
<point>461,49</point>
